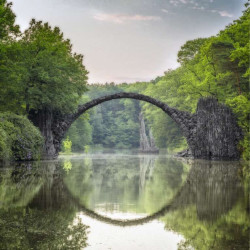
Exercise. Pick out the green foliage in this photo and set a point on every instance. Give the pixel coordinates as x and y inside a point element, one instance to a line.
<point>228,232</point>
<point>54,76</point>
<point>111,179</point>
<point>67,145</point>
<point>40,71</point>
<point>15,194</point>
<point>115,124</point>
<point>86,149</point>
<point>241,106</point>
<point>20,139</point>
<point>80,133</point>
<point>67,166</point>
<point>189,50</point>
<point>217,66</point>
<point>8,33</point>
<point>7,20</point>
<point>5,145</point>
<point>22,224</point>
<point>33,228</point>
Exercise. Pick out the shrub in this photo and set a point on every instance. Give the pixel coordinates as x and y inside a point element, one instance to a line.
<point>21,140</point>
<point>67,145</point>
<point>5,146</point>
<point>86,149</point>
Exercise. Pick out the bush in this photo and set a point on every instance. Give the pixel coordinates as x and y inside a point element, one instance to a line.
<point>5,146</point>
<point>20,139</point>
<point>86,149</point>
<point>67,145</point>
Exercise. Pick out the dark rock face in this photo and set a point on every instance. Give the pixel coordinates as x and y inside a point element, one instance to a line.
<point>212,132</point>
<point>216,133</point>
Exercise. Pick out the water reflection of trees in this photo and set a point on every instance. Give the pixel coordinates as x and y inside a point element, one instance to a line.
<point>211,191</point>
<point>19,185</point>
<point>207,204</point>
<point>136,184</point>
<point>34,213</point>
<point>211,212</point>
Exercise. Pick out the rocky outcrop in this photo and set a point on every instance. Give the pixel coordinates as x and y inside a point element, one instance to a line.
<point>184,153</point>
<point>214,133</point>
<point>146,145</point>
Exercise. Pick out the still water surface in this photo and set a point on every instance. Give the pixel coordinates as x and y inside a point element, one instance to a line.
<point>121,202</point>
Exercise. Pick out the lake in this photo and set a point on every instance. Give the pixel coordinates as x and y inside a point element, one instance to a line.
<point>124,201</point>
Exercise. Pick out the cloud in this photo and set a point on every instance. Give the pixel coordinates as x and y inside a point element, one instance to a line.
<point>189,2</point>
<point>224,13</point>
<point>198,8</point>
<point>164,10</point>
<point>119,18</point>
<point>174,2</point>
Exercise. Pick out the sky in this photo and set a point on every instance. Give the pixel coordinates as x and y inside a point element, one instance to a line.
<point>130,40</point>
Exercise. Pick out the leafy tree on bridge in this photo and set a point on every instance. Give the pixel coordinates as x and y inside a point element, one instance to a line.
<point>41,72</point>
<point>53,76</point>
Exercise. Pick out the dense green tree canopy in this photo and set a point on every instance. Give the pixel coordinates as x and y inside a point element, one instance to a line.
<point>53,75</point>
<point>41,71</point>
<point>7,20</point>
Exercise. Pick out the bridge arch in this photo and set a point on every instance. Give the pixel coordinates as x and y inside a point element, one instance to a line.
<point>181,118</point>
<point>211,133</point>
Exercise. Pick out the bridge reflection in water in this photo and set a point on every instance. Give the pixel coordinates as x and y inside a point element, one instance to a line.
<point>206,193</point>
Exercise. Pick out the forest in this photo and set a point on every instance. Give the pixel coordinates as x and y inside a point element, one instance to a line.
<point>40,72</point>
<point>216,66</point>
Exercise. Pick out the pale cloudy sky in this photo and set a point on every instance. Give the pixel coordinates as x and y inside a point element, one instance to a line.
<point>130,40</point>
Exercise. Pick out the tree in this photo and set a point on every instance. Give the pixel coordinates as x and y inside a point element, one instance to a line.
<point>41,72</point>
<point>7,21</point>
<point>54,77</point>
<point>8,32</point>
<point>189,50</point>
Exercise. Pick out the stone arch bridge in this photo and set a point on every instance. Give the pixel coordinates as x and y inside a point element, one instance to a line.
<point>211,133</point>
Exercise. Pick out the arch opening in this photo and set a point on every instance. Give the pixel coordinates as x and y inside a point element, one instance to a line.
<point>106,117</point>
